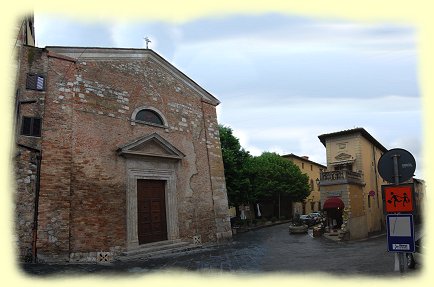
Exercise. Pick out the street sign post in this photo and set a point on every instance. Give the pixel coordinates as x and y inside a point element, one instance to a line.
<point>398,198</point>
<point>400,233</point>
<point>396,166</point>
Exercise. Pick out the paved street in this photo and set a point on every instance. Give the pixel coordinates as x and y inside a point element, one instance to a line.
<point>261,251</point>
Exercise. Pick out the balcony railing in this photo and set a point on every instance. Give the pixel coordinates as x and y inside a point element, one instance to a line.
<point>340,177</point>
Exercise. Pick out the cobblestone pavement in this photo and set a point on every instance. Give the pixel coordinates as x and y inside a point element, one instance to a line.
<point>261,251</point>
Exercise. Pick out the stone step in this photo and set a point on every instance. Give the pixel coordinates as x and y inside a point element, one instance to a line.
<point>157,251</point>
<point>154,246</point>
<point>147,248</point>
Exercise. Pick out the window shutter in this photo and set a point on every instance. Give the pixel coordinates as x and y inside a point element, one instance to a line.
<point>31,82</point>
<point>40,83</point>
<point>36,127</point>
<point>31,127</point>
<point>35,82</point>
<point>26,126</point>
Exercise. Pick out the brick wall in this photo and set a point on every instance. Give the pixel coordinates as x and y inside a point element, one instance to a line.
<point>56,168</point>
<point>218,184</point>
<point>102,123</point>
<point>29,103</point>
<point>86,118</point>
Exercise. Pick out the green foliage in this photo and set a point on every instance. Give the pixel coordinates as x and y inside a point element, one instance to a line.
<point>251,179</point>
<point>271,175</point>
<point>234,159</point>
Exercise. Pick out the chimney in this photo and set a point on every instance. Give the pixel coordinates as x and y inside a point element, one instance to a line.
<point>305,157</point>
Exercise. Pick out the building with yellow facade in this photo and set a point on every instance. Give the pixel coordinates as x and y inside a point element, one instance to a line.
<point>350,188</point>
<point>312,170</point>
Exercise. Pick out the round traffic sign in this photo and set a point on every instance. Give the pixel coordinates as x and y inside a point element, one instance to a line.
<point>406,165</point>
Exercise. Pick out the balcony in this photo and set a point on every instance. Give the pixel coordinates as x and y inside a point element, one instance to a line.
<point>341,177</point>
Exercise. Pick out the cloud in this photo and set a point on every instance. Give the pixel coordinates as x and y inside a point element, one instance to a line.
<point>282,80</point>
<point>55,30</point>
<point>414,146</point>
<point>164,36</point>
<point>291,55</point>
<point>265,30</point>
<point>245,142</point>
<point>278,111</point>
<point>293,125</point>
<point>238,65</point>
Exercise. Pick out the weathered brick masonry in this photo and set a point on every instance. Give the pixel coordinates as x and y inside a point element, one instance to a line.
<point>25,174</point>
<point>94,151</point>
<point>29,103</point>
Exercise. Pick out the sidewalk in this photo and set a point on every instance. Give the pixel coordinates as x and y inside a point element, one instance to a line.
<point>334,236</point>
<point>418,229</point>
<point>267,224</point>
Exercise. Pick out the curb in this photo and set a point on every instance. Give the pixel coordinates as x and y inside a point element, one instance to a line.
<point>261,226</point>
<point>356,240</point>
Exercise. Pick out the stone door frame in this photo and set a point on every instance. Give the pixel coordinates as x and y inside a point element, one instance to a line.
<point>169,176</point>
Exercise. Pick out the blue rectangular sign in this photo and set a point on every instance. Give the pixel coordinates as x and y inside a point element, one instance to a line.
<point>400,233</point>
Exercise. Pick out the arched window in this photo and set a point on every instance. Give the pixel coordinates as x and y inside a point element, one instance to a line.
<point>149,116</point>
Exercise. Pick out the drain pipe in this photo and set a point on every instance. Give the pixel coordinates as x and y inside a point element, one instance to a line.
<point>36,209</point>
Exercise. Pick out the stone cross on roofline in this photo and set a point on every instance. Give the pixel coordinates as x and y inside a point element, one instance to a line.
<point>147,41</point>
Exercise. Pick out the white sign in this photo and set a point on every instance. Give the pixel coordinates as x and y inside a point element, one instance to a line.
<point>401,247</point>
<point>400,233</point>
<point>399,226</point>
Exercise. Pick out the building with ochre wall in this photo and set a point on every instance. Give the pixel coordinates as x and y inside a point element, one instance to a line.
<point>351,186</point>
<point>312,170</point>
<point>116,149</point>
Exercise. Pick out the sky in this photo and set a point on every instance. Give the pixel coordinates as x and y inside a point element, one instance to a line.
<point>282,79</point>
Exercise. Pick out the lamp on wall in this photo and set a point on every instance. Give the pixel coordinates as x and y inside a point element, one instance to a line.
<point>317,181</point>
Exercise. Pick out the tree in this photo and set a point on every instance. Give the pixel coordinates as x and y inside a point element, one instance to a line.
<point>272,176</point>
<point>266,177</point>
<point>235,163</point>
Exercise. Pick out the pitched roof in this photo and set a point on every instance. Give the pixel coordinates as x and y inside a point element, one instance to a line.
<point>361,131</point>
<point>100,53</point>
<point>302,159</point>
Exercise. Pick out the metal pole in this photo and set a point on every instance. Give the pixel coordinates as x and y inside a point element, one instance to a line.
<point>400,255</point>
<point>395,168</point>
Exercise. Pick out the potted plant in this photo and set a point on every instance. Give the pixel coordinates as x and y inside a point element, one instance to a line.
<point>297,225</point>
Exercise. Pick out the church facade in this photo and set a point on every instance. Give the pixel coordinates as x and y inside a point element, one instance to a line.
<point>116,149</point>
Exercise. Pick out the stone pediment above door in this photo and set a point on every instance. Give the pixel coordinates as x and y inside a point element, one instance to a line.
<point>151,145</point>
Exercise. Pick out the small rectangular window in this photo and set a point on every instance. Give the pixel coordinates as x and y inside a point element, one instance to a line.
<point>31,127</point>
<point>26,126</point>
<point>35,82</point>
